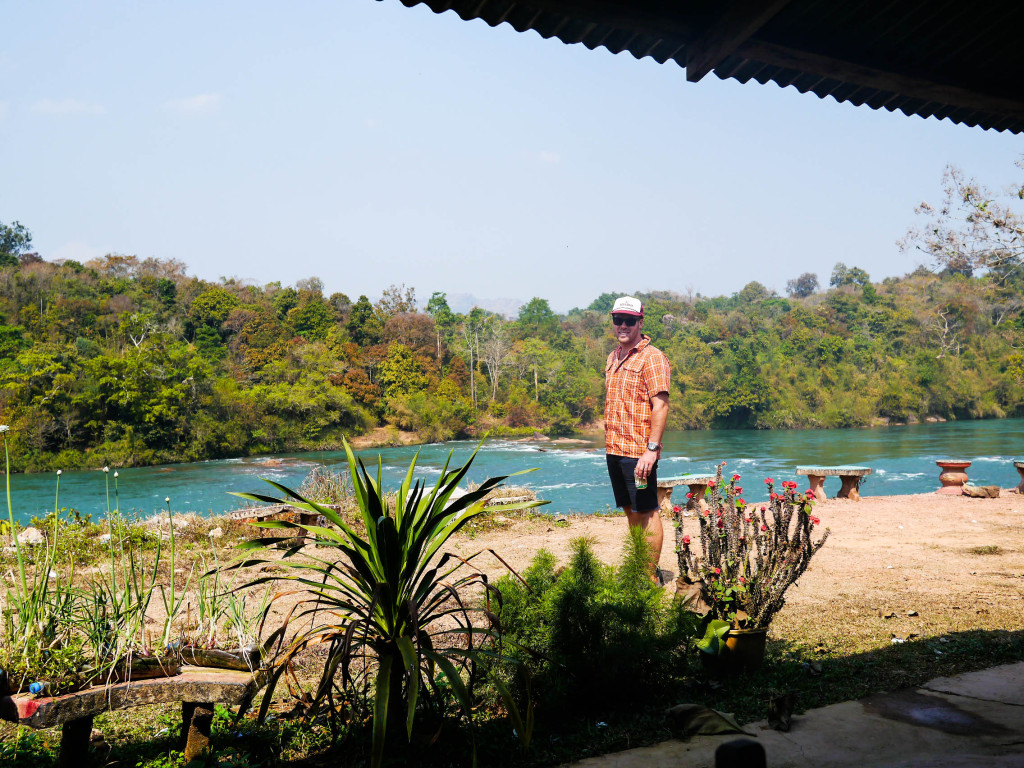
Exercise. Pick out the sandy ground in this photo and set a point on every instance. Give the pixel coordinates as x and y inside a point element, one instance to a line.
<point>957,561</point>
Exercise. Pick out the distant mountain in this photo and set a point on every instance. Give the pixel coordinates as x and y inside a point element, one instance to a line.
<point>463,302</point>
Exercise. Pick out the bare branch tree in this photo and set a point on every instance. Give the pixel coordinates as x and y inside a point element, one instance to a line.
<point>946,325</point>
<point>972,230</point>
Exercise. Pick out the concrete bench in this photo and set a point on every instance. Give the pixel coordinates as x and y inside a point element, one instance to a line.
<point>696,483</point>
<point>196,688</point>
<point>282,512</point>
<point>850,477</point>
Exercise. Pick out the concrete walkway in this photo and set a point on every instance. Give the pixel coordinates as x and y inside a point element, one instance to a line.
<point>975,719</point>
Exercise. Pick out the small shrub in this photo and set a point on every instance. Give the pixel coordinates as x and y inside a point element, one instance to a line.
<point>987,549</point>
<point>591,637</point>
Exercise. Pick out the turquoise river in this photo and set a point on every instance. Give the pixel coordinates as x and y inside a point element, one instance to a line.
<point>571,476</point>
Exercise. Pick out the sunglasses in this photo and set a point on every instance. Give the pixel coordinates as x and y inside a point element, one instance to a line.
<point>628,320</point>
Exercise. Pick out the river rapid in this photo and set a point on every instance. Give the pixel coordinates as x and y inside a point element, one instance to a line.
<point>572,476</point>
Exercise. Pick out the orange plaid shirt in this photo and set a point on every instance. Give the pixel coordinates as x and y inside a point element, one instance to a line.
<point>629,386</point>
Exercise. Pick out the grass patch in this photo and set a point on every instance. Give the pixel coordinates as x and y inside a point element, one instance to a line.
<point>988,549</point>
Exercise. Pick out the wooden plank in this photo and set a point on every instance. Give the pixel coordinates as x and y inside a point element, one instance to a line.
<point>193,684</point>
<point>739,21</point>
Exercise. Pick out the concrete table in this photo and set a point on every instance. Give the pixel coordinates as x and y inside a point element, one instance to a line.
<point>953,476</point>
<point>196,688</point>
<point>697,485</point>
<point>1019,466</point>
<point>850,477</point>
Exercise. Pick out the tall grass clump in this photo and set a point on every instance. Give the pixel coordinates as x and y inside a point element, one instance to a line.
<point>384,605</point>
<point>592,638</point>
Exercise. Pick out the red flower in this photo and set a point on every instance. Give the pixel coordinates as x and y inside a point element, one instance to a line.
<point>763,507</point>
<point>810,494</point>
<point>735,477</point>
<point>815,520</point>
<point>764,527</point>
<point>741,501</point>
<point>718,571</point>
<point>677,508</point>
<point>773,497</point>
<point>742,580</point>
<point>686,539</point>
<point>768,481</point>
<point>738,489</point>
<point>689,495</point>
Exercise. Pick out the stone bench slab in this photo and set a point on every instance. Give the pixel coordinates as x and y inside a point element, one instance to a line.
<point>834,471</point>
<point>672,482</point>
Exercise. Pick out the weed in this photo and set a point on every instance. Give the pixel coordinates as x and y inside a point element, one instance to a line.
<point>988,549</point>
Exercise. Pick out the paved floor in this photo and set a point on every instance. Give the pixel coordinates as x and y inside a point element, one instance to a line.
<point>975,719</point>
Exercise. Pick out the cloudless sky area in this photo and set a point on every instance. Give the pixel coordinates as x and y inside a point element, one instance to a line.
<point>369,144</point>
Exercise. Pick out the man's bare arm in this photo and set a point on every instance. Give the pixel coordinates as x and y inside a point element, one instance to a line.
<point>659,416</point>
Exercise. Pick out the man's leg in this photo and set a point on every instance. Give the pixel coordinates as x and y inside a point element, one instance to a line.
<point>650,522</point>
<point>620,470</point>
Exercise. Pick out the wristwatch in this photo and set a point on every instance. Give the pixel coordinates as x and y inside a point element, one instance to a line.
<point>653,446</point>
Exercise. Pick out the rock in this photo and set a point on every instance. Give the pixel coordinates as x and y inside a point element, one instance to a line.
<point>105,538</point>
<point>561,519</point>
<point>981,491</point>
<point>216,533</point>
<point>911,613</point>
<point>31,536</point>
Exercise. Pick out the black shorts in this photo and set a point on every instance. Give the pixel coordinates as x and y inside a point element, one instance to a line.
<point>620,470</point>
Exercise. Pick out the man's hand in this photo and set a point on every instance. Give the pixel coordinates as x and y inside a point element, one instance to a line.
<point>645,462</point>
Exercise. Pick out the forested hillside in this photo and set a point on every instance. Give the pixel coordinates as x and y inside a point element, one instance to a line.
<point>124,361</point>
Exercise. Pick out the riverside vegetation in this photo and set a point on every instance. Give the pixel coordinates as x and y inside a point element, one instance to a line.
<point>126,361</point>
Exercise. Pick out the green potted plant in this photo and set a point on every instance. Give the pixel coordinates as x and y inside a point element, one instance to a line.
<point>744,559</point>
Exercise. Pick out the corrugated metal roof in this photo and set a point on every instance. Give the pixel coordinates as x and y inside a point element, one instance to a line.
<point>943,58</point>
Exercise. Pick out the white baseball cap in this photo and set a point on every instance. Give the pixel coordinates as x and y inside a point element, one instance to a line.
<point>627,305</point>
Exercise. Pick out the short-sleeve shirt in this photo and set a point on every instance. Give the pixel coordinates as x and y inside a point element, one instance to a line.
<point>629,386</point>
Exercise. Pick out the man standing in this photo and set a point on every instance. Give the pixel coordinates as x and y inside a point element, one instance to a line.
<point>635,412</point>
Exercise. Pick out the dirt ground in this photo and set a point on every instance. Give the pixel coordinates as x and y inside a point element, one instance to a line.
<point>957,562</point>
<point>894,567</point>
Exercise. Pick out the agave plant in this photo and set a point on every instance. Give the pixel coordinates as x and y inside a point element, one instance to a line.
<point>380,601</point>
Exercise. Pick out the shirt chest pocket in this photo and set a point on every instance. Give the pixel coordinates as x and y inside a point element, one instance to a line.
<point>629,381</point>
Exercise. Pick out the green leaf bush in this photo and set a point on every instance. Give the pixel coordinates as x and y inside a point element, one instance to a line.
<point>591,638</point>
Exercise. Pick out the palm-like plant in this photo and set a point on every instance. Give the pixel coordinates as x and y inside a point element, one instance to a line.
<point>389,600</point>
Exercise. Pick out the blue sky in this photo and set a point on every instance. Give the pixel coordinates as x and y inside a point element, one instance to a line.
<point>369,144</point>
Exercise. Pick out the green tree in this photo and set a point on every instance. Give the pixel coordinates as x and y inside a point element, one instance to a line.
<point>211,307</point>
<point>803,286</point>
<point>401,373</point>
<point>537,319</point>
<point>285,301</point>
<point>312,320</point>
<point>15,241</point>
<point>364,327</point>
<point>444,319</point>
